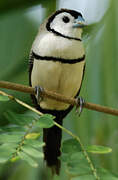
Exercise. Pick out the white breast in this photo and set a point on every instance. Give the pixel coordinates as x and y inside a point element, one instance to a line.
<point>57,77</point>
<point>51,45</point>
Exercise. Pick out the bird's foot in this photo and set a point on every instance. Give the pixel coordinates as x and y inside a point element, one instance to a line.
<point>80,104</point>
<point>39,91</point>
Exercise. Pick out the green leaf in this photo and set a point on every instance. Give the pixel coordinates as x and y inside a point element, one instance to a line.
<point>32,152</point>
<point>98,149</point>
<point>14,159</point>
<point>4,98</point>
<point>34,143</point>
<point>64,158</point>
<point>20,119</point>
<point>71,146</point>
<point>84,177</point>
<point>77,158</point>
<point>45,121</point>
<point>28,159</point>
<point>79,170</point>
<point>8,147</point>
<point>33,114</point>
<point>4,158</point>
<point>78,164</point>
<point>106,175</point>
<point>4,138</point>
<point>13,128</point>
<point>32,135</point>
<point>103,174</point>
<point>5,155</point>
<point>6,151</point>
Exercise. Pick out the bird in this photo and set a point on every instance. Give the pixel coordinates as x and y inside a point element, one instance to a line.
<point>57,63</point>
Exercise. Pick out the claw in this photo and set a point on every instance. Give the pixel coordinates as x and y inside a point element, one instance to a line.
<point>38,92</point>
<point>80,104</point>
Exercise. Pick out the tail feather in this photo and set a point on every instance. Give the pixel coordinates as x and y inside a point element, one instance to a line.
<point>52,138</point>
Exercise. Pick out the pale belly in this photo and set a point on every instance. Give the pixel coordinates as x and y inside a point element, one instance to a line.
<point>57,77</point>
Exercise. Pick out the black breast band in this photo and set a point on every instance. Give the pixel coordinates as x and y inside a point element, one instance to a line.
<point>57,59</point>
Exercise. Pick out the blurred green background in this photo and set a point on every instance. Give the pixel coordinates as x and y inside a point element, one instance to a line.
<point>18,28</point>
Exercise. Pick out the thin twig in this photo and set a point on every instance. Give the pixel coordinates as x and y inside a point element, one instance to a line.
<point>20,102</point>
<point>58,125</point>
<point>83,149</point>
<point>58,97</point>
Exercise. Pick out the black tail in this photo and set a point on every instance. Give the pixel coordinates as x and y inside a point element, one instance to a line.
<point>52,138</point>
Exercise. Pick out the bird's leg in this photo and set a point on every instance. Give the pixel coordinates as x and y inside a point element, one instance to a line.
<point>38,91</point>
<point>80,104</point>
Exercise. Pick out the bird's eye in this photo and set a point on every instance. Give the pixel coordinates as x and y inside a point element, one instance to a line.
<point>65,19</point>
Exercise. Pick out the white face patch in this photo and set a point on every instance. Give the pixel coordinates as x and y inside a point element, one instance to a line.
<point>65,28</point>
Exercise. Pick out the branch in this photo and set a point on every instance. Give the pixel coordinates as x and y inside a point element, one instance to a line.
<point>58,97</point>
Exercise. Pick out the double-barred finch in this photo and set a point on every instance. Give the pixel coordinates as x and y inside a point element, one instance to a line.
<point>57,63</point>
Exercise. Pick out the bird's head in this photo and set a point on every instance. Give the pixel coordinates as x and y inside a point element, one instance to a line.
<point>67,23</point>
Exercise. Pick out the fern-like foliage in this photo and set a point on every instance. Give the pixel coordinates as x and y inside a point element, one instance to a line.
<point>78,166</point>
<point>21,140</point>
